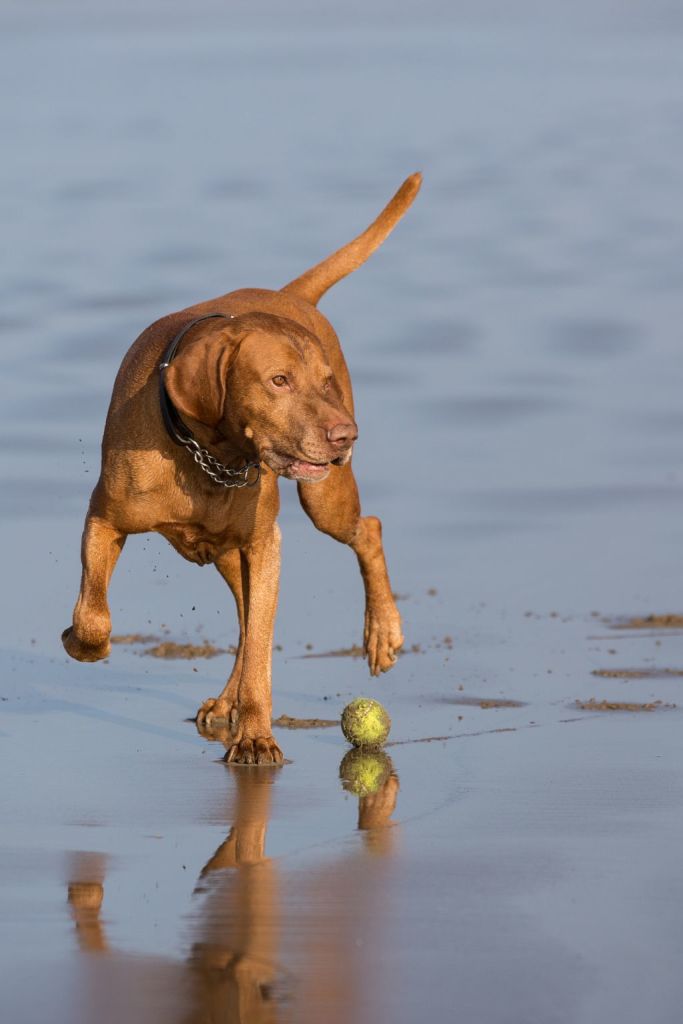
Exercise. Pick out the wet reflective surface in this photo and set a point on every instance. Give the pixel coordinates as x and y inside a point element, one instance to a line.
<point>516,355</point>
<point>262,943</point>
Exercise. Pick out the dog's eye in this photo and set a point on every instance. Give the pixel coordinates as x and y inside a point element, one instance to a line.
<point>280,381</point>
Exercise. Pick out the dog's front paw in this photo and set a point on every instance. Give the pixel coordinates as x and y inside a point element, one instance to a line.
<point>81,650</point>
<point>261,750</point>
<point>382,639</point>
<point>217,710</point>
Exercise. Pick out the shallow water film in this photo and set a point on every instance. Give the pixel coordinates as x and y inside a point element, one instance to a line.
<point>513,855</point>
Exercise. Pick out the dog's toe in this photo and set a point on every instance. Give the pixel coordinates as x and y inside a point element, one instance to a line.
<point>268,752</point>
<point>202,717</point>
<point>261,750</point>
<point>215,711</point>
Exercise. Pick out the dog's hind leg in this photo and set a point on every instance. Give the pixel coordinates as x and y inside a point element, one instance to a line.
<point>334,507</point>
<point>88,638</point>
<point>225,705</point>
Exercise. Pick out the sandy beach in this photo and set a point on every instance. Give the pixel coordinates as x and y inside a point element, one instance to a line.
<point>516,356</point>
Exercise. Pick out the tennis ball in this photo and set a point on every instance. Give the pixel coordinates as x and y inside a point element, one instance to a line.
<point>365,723</point>
<point>364,772</point>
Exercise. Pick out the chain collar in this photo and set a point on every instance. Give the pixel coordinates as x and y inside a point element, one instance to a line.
<point>181,433</point>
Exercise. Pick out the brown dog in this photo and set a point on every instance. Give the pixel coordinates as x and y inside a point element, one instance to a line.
<point>210,406</point>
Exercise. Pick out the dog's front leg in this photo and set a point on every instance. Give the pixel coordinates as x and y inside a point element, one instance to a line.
<point>88,638</point>
<point>334,507</point>
<point>253,740</point>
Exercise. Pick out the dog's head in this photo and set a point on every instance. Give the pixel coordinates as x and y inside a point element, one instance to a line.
<point>263,383</point>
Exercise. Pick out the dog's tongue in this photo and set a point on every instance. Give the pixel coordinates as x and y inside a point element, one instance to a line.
<point>308,469</point>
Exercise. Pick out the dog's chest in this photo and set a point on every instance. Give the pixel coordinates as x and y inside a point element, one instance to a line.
<point>204,528</point>
<point>195,543</point>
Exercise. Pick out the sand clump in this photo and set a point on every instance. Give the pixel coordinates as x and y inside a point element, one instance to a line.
<point>669,621</point>
<point>638,673</point>
<point>135,638</point>
<point>354,651</point>
<point>170,649</point>
<point>620,705</point>
<point>289,722</point>
<point>485,702</point>
<point>499,703</point>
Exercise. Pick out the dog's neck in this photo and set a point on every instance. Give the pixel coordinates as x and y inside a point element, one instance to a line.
<point>231,451</point>
<point>230,466</point>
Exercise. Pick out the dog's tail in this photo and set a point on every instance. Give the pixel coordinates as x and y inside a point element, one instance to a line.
<point>315,282</point>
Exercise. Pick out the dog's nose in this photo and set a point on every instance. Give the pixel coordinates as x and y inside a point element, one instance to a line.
<point>342,434</point>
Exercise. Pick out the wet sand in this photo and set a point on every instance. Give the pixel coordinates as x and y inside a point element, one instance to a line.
<point>515,350</point>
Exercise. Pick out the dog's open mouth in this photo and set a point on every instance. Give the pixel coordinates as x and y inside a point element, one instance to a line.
<point>300,470</point>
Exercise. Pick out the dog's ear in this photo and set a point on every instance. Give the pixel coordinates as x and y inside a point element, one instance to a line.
<point>197,377</point>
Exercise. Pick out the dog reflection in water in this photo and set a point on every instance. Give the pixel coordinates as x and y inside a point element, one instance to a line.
<point>232,973</point>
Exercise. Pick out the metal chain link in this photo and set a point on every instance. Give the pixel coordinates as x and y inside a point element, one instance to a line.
<point>219,473</point>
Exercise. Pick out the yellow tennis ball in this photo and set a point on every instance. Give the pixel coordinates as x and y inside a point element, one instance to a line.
<point>364,772</point>
<point>365,723</point>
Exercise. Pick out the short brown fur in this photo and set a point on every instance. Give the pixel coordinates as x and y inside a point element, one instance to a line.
<point>227,382</point>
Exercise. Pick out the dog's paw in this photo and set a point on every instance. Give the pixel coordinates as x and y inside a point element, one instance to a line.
<point>382,639</point>
<point>261,750</point>
<point>86,895</point>
<point>83,651</point>
<point>215,711</point>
